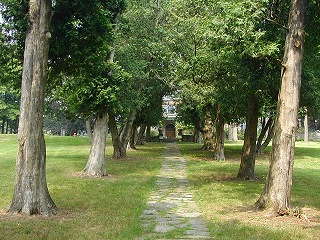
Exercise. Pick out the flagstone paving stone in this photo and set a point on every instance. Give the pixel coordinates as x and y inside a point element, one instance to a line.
<point>171,207</point>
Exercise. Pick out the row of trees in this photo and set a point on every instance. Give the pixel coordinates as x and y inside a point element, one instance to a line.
<point>114,60</point>
<point>98,66</point>
<point>238,80</point>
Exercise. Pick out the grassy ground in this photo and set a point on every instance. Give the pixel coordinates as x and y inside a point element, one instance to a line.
<point>109,208</point>
<point>106,208</point>
<point>227,202</point>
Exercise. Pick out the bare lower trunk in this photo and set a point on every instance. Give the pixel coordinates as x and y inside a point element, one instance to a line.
<point>247,165</point>
<point>306,128</point>
<point>148,133</point>
<point>233,132</point>
<point>208,130</point>
<point>141,133</point>
<point>31,195</point>
<point>132,140</point>
<point>197,136</point>
<point>267,140</point>
<point>218,153</point>
<point>115,135</point>
<point>267,128</point>
<point>89,131</point>
<point>3,124</point>
<point>96,165</point>
<point>125,134</point>
<point>277,191</point>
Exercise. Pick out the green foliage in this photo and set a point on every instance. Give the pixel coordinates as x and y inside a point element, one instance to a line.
<point>221,51</point>
<point>141,53</point>
<point>310,92</point>
<point>81,38</point>
<point>13,29</point>
<point>15,16</point>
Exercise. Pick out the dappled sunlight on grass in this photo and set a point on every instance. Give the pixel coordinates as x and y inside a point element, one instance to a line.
<point>226,201</point>
<point>110,207</point>
<point>88,208</point>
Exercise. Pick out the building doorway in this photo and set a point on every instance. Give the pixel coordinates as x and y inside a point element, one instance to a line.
<point>170,131</point>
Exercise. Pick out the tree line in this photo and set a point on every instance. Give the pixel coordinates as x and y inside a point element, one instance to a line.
<point>113,61</point>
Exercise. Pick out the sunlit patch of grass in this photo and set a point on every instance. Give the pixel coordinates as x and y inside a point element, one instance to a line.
<point>107,208</point>
<point>226,202</point>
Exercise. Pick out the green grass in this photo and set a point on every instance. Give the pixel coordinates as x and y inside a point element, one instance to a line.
<point>107,208</point>
<point>110,208</point>
<point>226,201</point>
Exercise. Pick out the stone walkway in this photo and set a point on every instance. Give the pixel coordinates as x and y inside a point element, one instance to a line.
<point>171,212</point>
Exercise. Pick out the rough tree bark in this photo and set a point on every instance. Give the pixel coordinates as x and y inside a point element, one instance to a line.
<point>120,140</point>
<point>276,195</point>
<point>133,134</point>
<point>233,132</point>
<point>267,140</point>
<point>125,134</point>
<point>142,130</point>
<point>218,153</point>
<point>31,195</point>
<point>148,133</point>
<point>267,129</point>
<point>115,135</point>
<point>208,129</point>
<point>96,165</point>
<point>247,165</point>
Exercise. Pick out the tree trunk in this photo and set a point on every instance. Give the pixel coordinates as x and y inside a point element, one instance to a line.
<point>7,126</point>
<point>266,127</point>
<point>247,165</point>
<point>89,131</point>
<point>267,140</point>
<point>277,191</point>
<point>115,135</point>
<point>197,136</point>
<point>125,134</point>
<point>148,133</point>
<point>31,195</point>
<point>141,133</point>
<point>96,165</point>
<point>233,132</point>
<point>306,128</point>
<point>132,141</point>
<point>208,129</point>
<point>218,153</point>
<point>3,124</point>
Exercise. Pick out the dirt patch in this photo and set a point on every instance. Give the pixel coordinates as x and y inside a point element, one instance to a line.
<point>61,215</point>
<point>308,218</point>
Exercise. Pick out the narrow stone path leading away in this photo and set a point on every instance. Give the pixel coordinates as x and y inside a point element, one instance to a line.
<point>171,212</point>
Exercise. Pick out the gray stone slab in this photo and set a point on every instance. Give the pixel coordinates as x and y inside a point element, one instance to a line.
<point>171,205</point>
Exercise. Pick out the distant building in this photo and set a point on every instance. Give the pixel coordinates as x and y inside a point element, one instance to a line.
<point>169,106</point>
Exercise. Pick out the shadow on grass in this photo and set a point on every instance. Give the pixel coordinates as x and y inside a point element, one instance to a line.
<point>219,193</point>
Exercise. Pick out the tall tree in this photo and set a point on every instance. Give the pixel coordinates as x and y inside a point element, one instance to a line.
<point>31,195</point>
<point>247,165</point>
<point>83,61</point>
<point>218,152</point>
<point>277,191</point>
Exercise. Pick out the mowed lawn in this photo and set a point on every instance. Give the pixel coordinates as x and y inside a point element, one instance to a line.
<point>110,208</point>
<point>107,208</point>
<point>226,202</point>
